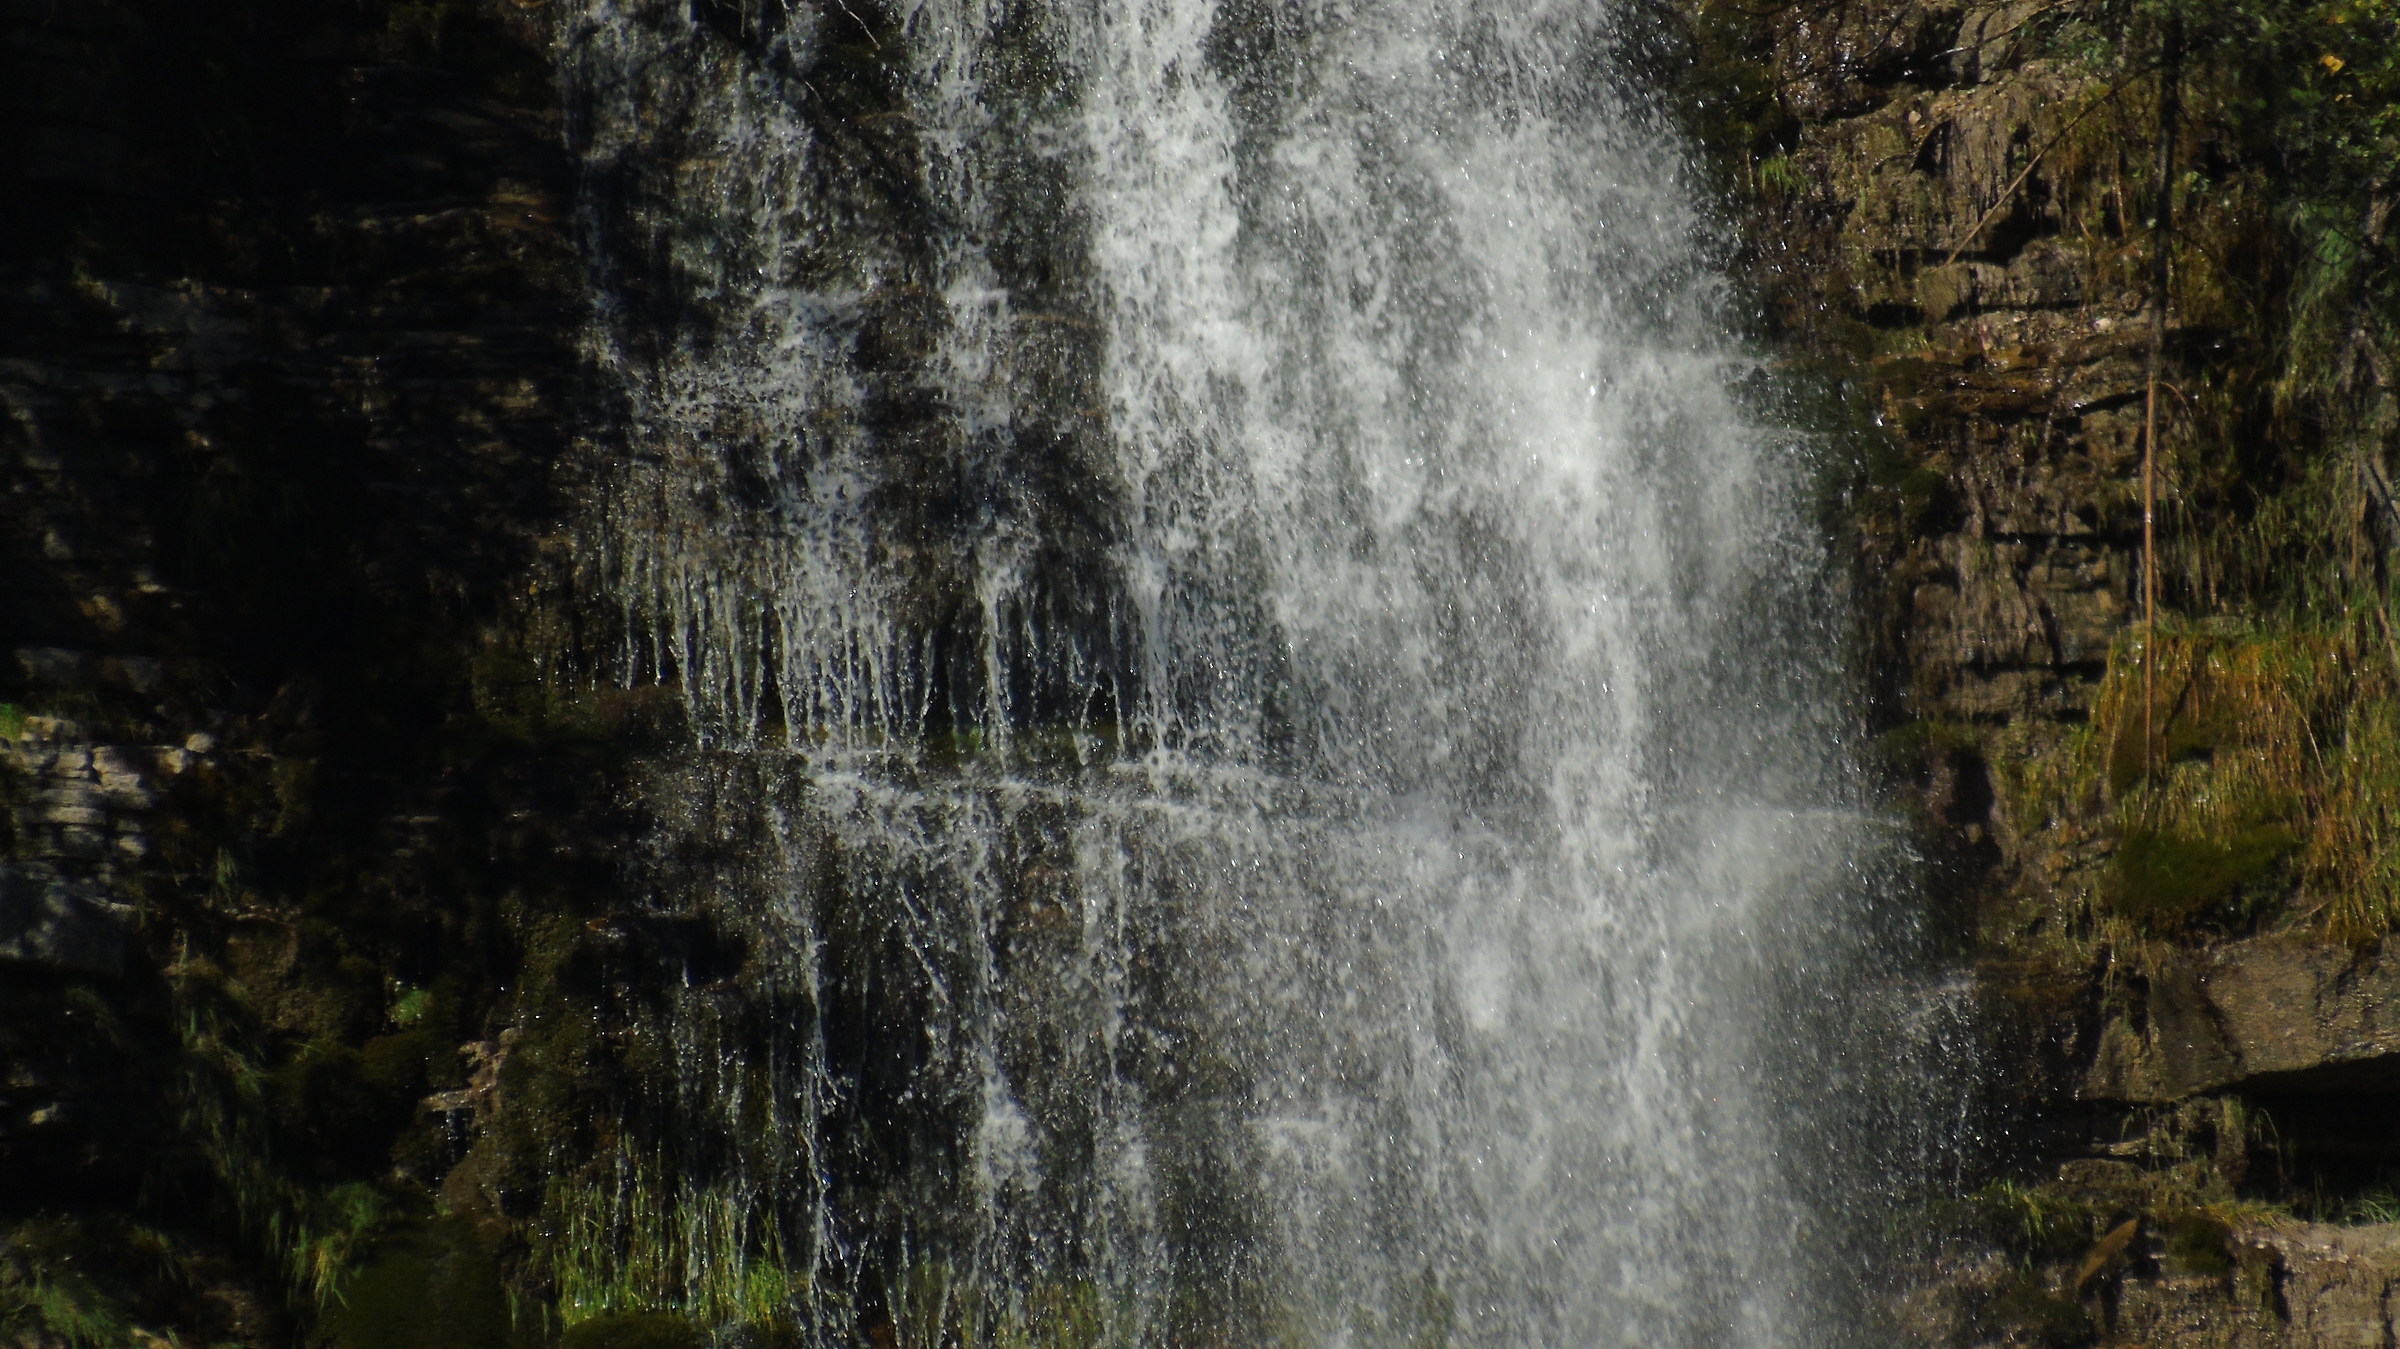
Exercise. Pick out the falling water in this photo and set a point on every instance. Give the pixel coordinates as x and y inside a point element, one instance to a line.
<point>1264,750</point>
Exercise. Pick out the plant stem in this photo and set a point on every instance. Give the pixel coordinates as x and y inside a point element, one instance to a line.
<point>2162,246</point>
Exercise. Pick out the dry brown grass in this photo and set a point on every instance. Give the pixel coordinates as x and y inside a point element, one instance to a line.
<point>2267,763</point>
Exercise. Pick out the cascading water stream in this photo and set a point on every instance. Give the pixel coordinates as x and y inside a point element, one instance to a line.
<point>1266,727</point>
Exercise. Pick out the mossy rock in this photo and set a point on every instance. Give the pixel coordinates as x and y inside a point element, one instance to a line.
<point>2170,881</point>
<point>345,1105</point>
<point>435,1285</point>
<point>634,1330</point>
<point>2026,1310</point>
<point>2200,1245</point>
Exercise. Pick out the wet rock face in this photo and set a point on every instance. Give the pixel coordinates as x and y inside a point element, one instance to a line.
<point>2271,1014</point>
<point>2002,361</point>
<point>2292,1285</point>
<point>1966,219</point>
<point>80,833</point>
<point>2268,1286</point>
<point>296,379</point>
<point>1952,213</point>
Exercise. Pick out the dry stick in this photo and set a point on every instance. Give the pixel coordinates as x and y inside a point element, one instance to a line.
<point>2162,244</point>
<point>2380,489</point>
<point>2010,191</point>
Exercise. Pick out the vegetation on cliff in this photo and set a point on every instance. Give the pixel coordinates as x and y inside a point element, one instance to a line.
<point>2042,251</point>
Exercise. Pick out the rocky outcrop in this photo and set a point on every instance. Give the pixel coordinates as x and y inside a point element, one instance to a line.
<point>2271,1014</point>
<point>287,324</point>
<point>2281,1285</point>
<point>1964,218</point>
<point>2296,1286</point>
<point>1960,207</point>
<point>1944,232</point>
<point>78,817</point>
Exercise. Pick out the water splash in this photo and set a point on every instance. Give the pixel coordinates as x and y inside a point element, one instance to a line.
<point>1270,731</point>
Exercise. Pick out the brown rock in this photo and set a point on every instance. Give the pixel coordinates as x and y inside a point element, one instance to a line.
<point>2296,1286</point>
<point>2274,1013</point>
<point>2339,1284</point>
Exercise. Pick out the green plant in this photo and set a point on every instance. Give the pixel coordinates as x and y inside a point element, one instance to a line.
<point>74,1282</point>
<point>2277,512</point>
<point>2032,1222</point>
<point>1779,173</point>
<point>72,1311</point>
<point>635,1237</point>
<point>2243,764</point>
<point>325,1247</point>
<point>2380,1204</point>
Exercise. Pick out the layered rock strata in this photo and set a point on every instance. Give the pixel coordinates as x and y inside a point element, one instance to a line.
<point>1965,217</point>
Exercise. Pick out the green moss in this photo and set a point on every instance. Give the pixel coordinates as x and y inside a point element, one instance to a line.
<point>2026,1310</point>
<point>633,1330</point>
<point>345,1105</point>
<point>409,1005</point>
<point>433,1285</point>
<point>2200,1245</point>
<point>2167,881</point>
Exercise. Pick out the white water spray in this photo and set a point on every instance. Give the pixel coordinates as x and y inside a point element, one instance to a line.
<point>1261,750</point>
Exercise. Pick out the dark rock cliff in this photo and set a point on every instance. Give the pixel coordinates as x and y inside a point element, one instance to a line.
<point>288,313</point>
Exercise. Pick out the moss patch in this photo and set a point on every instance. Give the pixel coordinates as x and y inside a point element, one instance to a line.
<point>2199,1244</point>
<point>2167,881</point>
<point>633,1330</point>
<point>434,1285</point>
<point>2029,1311</point>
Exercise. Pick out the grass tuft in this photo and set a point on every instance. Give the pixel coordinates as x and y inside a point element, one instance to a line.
<point>2253,776</point>
<point>639,1239</point>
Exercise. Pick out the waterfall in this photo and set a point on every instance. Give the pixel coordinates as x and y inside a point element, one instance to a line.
<point>1264,724</point>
